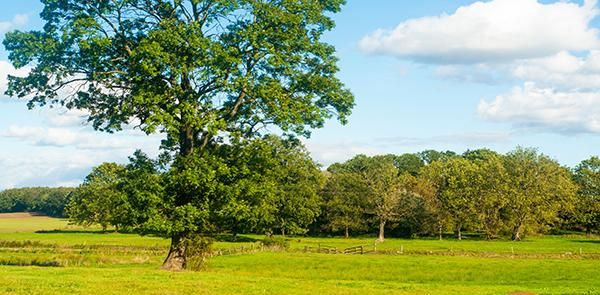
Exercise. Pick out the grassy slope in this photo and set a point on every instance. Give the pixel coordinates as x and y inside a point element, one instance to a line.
<point>134,270</point>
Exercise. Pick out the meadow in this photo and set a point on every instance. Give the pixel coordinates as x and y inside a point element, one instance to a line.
<point>41,255</point>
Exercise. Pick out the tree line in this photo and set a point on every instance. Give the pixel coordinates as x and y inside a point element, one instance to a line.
<point>44,200</point>
<point>271,185</point>
<point>431,193</point>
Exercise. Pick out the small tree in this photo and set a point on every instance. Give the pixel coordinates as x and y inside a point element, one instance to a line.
<point>491,187</point>
<point>456,195</point>
<point>271,183</point>
<point>98,200</point>
<point>538,190</point>
<point>383,190</point>
<point>344,202</point>
<point>587,176</point>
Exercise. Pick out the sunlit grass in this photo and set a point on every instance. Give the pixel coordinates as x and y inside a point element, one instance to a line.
<point>87,261</point>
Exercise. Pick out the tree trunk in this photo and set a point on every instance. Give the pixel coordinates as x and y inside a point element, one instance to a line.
<point>283,232</point>
<point>516,235</point>
<point>381,230</point>
<point>347,234</point>
<point>176,260</point>
<point>459,232</point>
<point>440,231</point>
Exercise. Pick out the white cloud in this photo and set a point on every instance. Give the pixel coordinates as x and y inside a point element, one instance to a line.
<point>6,69</point>
<point>51,165</point>
<point>493,31</point>
<point>65,137</point>
<point>18,20</point>
<point>63,117</point>
<point>563,70</point>
<point>546,108</point>
<point>47,168</point>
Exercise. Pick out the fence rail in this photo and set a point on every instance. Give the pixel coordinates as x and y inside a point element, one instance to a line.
<point>321,249</point>
<point>355,250</point>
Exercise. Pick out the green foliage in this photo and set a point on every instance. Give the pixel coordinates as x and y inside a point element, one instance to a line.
<point>430,156</point>
<point>201,72</point>
<point>457,196</point>
<point>381,192</point>
<point>198,250</point>
<point>587,176</point>
<point>344,202</point>
<point>539,189</point>
<point>409,163</point>
<point>99,200</point>
<point>186,68</point>
<point>278,243</point>
<point>47,201</point>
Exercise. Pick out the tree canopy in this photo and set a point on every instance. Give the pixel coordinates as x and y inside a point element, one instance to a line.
<point>202,72</point>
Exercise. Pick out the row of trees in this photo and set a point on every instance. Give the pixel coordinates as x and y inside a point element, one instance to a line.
<point>44,200</point>
<point>429,193</point>
<point>271,185</point>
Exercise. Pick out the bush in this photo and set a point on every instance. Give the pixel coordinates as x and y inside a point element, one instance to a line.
<point>276,243</point>
<point>198,250</point>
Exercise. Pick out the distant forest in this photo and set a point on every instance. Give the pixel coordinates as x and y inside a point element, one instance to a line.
<point>273,186</point>
<point>44,200</point>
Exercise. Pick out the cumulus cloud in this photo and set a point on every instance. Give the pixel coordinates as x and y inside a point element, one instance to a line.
<point>494,31</point>
<point>563,70</point>
<point>50,168</point>
<point>546,108</point>
<point>65,137</point>
<point>51,164</point>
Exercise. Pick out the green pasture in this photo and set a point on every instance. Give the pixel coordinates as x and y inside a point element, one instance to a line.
<point>34,259</point>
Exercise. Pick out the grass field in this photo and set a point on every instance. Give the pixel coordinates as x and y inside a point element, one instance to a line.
<point>79,261</point>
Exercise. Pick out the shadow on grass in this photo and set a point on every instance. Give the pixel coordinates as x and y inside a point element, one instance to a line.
<point>587,241</point>
<point>75,231</point>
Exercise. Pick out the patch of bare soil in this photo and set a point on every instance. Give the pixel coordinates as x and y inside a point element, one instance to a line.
<point>19,215</point>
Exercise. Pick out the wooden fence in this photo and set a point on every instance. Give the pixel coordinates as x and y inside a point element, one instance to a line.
<point>320,249</point>
<point>355,250</point>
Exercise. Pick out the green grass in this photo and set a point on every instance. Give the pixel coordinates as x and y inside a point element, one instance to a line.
<point>30,224</point>
<point>112,263</point>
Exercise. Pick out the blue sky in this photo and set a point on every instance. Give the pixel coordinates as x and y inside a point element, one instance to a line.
<point>429,74</point>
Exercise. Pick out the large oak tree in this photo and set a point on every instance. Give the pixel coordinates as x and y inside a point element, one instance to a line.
<point>199,71</point>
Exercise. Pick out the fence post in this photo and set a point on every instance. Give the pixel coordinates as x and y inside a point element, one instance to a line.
<point>319,248</point>
<point>375,247</point>
<point>401,249</point>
